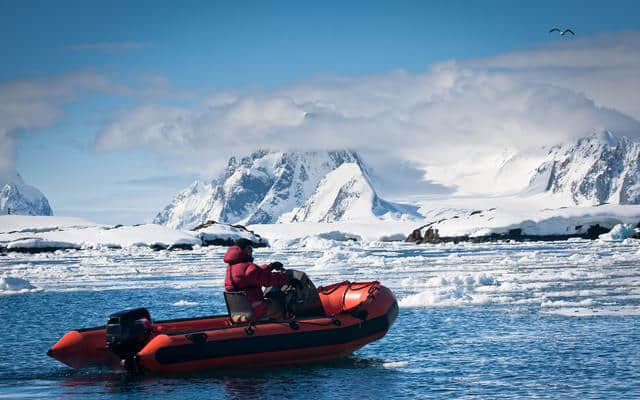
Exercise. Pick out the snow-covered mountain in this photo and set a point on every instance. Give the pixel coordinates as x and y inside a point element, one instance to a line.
<point>598,169</point>
<point>19,198</point>
<point>269,187</point>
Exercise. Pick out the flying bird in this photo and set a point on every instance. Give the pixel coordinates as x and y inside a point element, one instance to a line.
<point>562,32</point>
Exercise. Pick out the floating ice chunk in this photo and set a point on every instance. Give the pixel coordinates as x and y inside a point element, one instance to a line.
<point>619,232</point>
<point>450,291</point>
<point>320,242</point>
<point>339,236</point>
<point>10,285</point>
<point>395,364</point>
<point>564,303</point>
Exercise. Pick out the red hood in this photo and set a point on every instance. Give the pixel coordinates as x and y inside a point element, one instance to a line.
<point>236,255</point>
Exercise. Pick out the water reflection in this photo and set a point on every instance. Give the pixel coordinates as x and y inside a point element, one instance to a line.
<point>310,381</point>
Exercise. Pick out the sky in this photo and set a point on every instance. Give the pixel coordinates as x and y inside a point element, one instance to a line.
<point>111,108</point>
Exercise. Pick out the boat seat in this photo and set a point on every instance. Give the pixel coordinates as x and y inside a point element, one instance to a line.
<point>239,307</point>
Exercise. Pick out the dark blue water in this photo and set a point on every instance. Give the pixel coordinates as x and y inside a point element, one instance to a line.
<point>466,352</point>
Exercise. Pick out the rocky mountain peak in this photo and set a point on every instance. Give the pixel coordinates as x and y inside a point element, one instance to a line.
<point>600,168</point>
<point>271,186</point>
<point>20,198</point>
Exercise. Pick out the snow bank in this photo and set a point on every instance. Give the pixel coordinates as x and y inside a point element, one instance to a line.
<point>565,221</point>
<point>11,286</point>
<point>228,233</point>
<point>340,231</point>
<point>40,244</point>
<point>35,234</point>
<point>29,223</point>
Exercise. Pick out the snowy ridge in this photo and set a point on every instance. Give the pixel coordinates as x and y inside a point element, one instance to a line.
<point>20,198</point>
<point>598,169</point>
<point>558,223</point>
<point>269,187</point>
<point>33,234</point>
<point>346,194</point>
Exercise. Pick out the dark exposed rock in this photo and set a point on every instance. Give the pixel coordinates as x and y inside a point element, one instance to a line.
<point>229,242</point>
<point>181,246</point>
<point>226,243</point>
<point>595,230</point>
<point>178,246</point>
<point>36,250</point>
<point>432,236</point>
<point>414,237</point>
<point>204,225</point>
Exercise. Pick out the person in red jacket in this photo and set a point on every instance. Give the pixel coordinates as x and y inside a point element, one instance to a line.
<point>243,274</point>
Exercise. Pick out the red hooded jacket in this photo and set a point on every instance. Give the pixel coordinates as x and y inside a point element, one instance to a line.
<point>251,278</point>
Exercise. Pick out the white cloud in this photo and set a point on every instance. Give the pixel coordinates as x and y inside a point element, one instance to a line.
<point>606,68</point>
<point>455,120</point>
<point>39,103</point>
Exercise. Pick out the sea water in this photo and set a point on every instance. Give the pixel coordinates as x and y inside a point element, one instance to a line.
<point>506,320</point>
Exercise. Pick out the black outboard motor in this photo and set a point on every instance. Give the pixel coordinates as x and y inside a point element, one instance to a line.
<point>127,333</point>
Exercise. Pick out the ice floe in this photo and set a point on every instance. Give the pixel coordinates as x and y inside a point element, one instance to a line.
<point>593,277</point>
<point>10,285</point>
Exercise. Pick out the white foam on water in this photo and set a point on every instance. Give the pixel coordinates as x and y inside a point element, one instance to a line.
<point>185,303</point>
<point>565,303</point>
<point>395,364</point>
<point>593,312</point>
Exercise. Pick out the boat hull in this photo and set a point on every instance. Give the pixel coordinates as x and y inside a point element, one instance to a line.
<point>213,342</point>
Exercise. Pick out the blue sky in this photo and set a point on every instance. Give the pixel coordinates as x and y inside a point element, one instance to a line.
<point>86,78</point>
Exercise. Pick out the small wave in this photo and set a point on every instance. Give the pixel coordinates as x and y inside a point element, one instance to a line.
<point>395,364</point>
<point>593,312</point>
<point>564,303</point>
<point>185,303</point>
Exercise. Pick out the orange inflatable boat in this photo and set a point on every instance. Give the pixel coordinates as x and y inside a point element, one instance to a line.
<point>347,317</point>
